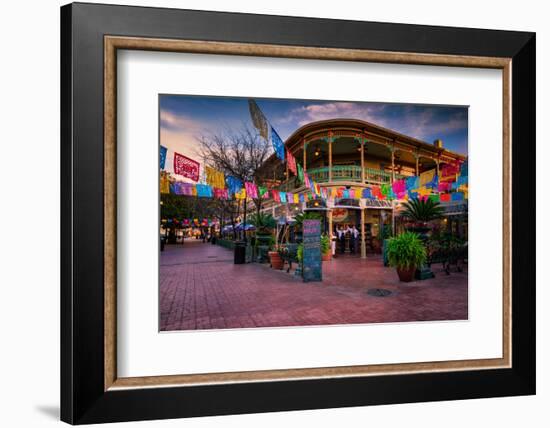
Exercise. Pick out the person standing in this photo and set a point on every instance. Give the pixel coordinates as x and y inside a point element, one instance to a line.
<point>342,239</point>
<point>354,233</point>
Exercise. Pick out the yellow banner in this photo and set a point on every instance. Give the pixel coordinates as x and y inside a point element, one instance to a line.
<point>215,178</point>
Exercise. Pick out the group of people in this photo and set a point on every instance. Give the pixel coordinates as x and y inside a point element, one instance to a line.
<point>342,233</point>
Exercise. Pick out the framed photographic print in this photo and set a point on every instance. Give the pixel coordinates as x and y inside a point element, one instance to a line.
<point>267,213</point>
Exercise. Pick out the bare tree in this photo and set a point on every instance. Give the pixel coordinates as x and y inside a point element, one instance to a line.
<point>242,154</point>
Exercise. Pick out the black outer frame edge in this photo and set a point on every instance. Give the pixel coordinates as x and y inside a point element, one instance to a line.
<point>83,398</point>
<point>66,315</point>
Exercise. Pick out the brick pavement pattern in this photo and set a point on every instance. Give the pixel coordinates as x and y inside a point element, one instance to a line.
<point>201,288</point>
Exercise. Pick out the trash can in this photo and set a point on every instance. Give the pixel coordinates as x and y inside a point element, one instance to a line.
<point>240,252</point>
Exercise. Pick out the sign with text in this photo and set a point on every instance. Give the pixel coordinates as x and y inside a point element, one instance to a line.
<point>311,259</point>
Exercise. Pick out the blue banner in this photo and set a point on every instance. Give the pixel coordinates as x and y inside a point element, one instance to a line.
<point>162,157</point>
<point>278,144</point>
<point>234,185</point>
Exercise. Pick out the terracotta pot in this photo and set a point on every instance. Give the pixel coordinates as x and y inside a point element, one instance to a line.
<point>275,260</point>
<point>327,257</point>
<point>406,275</point>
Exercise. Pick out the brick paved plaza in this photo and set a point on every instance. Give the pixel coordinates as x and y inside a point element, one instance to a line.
<point>201,288</point>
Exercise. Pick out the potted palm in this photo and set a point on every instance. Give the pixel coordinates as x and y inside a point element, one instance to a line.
<point>326,254</point>
<point>265,224</point>
<point>406,253</point>
<point>421,212</point>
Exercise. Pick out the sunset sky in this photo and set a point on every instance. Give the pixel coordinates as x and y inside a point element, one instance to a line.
<point>183,119</point>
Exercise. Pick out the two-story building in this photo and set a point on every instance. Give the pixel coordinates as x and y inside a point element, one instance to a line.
<point>354,154</point>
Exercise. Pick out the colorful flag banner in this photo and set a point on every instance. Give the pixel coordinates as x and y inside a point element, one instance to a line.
<point>399,186</point>
<point>162,156</point>
<point>426,177</point>
<point>215,178</point>
<point>366,193</point>
<point>234,185</point>
<point>186,167</point>
<point>291,161</point>
<point>300,173</point>
<point>278,144</point>
<point>444,186</point>
<point>221,194</point>
<point>164,184</point>
<point>241,194</point>
<point>251,190</point>
<point>258,119</point>
<point>203,190</point>
<point>276,195</point>
<point>413,182</point>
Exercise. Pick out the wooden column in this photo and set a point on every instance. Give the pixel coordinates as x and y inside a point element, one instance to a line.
<point>392,148</point>
<point>304,145</point>
<point>329,216</point>
<point>330,157</point>
<point>437,166</point>
<point>363,242</point>
<point>362,160</point>
<point>416,157</point>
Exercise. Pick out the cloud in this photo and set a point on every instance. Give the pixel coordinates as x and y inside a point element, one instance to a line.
<point>323,111</point>
<point>179,123</point>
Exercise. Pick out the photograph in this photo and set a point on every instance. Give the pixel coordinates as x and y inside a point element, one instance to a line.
<point>294,213</point>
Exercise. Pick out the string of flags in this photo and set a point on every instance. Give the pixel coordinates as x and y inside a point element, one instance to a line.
<point>451,184</point>
<point>428,185</point>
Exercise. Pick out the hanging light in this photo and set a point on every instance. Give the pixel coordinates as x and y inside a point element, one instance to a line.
<point>317,152</point>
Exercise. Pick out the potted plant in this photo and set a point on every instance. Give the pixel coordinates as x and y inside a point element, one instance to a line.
<point>326,254</point>
<point>421,212</point>
<point>406,253</point>
<point>385,233</point>
<point>265,224</point>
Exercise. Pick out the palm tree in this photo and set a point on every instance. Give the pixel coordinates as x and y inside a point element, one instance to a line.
<point>422,211</point>
<point>265,223</point>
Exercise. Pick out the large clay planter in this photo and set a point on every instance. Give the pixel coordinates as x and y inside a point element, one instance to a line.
<point>406,275</point>
<point>327,257</point>
<point>275,260</point>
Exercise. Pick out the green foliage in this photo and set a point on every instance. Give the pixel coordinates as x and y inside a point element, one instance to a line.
<point>441,241</point>
<point>406,251</point>
<point>299,219</point>
<point>300,253</point>
<point>265,223</point>
<point>325,244</point>
<point>384,232</point>
<point>422,211</point>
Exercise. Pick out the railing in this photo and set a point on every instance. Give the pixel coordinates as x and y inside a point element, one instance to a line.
<point>340,173</point>
<point>351,173</point>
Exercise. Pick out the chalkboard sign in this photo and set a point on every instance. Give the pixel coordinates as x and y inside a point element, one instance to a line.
<point>311,260</point>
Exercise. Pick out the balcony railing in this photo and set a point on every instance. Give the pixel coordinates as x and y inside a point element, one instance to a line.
<point>351,173</point>
<point>340,173</point>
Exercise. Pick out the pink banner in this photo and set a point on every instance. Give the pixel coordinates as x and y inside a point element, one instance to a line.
<point>186,167</point>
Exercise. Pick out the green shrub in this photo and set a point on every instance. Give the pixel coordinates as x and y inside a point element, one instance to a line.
<point>406,251</point>
<point>325,244</point>
<point>300,252</point>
